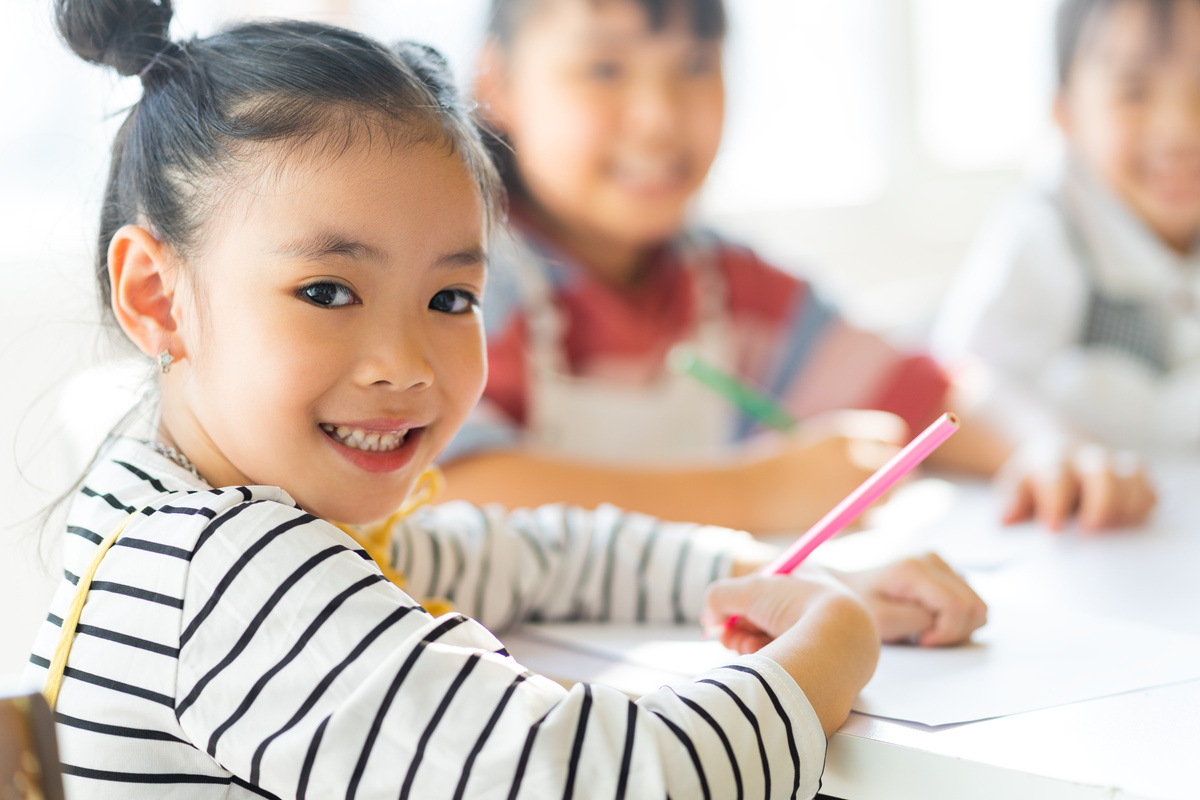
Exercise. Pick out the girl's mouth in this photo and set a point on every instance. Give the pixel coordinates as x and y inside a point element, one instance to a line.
<point>649,175</point>
<point>373,451</point>
<point>359,439</point>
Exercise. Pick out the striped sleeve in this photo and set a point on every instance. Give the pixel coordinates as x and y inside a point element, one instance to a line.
<point>305,674</point>
<point>562,562</point>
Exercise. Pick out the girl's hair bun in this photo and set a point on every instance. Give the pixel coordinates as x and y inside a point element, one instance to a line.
<point>127,35</point>
<point>431,68</point>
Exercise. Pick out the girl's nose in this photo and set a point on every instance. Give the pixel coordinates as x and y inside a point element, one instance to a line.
<point>398,359</point>
<point>1177,121</point>
<point>655,105</point>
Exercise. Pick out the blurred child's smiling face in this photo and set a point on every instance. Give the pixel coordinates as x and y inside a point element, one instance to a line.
<point>614,124</point>
<point>333,341</point>
<point>1131,109</point>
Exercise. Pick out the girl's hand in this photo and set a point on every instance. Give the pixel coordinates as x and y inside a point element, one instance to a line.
<point>1102,489</point>
<point>918,599</point>
<point>766,606</point>
<point>812,627</point>
<point>796,480</point>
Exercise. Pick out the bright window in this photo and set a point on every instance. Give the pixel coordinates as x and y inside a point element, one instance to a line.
<point>983,75</point>
<point>806,105</point>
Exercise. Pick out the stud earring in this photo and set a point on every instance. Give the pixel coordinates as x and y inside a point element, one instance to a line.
<point>164,361</point>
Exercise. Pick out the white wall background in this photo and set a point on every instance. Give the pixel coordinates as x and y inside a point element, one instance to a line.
<point>866,141</point>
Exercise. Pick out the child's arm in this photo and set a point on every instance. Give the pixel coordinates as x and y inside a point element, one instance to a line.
<point>559,562</point>
<point>567,563</point>
<point>348,688</point>
<point>778,486</point>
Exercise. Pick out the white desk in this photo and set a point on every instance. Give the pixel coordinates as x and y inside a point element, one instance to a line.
<point>1144,744</point>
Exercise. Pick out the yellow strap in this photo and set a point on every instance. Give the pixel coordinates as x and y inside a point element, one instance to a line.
<point>376,538</point>
<point>58,664</point>
<point>429,485</point>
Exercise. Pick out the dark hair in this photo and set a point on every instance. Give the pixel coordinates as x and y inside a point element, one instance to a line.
<point>206,100</point>
<point>507,17</point>
<point>1076,20</point>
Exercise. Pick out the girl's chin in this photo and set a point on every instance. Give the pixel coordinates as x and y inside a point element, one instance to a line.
<point>1175,228</point>
<point>363,501</point>
<point>1177,204</point>
<point>348,512</point>
<point>650,230</point>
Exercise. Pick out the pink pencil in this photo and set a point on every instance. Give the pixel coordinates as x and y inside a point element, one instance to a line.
<point>861,498</point>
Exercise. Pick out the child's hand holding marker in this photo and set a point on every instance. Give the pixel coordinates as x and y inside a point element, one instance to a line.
<point>1048,481</point>
<point>831,455</point>
<point>918,599</point>
<point>828,455</point>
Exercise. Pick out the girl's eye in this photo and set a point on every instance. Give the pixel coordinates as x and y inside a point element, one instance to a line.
<point>1132,93</point>
<point>1131,87</point>
<point>454,301</point>
<point>603,70</point>
<point>328,294</point>
<point>701,63</point>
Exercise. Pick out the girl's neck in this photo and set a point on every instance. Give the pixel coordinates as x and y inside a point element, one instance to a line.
<point>179,430</point>
<point>1181,244</point>
<point>612,261</point>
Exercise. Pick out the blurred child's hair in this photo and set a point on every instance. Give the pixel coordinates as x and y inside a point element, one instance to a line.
<point>207,102</point>
<point>706,16</point>
<point>507,17</point>
<point>1077,19</point>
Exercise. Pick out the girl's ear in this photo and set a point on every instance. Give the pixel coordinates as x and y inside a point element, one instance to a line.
<point>143,291</point>
<point>491,84</point>
<point>1062,115</point>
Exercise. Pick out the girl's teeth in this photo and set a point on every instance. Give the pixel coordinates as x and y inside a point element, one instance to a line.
<point>360,439</point>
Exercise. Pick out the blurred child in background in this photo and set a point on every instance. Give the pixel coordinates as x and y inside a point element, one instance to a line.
<point>1081,296</point>
<point>613,110</point>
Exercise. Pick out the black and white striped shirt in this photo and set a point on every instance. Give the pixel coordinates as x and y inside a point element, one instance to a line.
<point>235,646</point>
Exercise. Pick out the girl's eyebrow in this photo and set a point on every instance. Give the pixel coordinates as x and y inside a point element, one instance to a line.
<point>463,258</point>
<point>608,38</point>
<point>329,243</point>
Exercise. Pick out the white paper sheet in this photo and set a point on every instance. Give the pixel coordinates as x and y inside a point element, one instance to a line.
<point>1021,661</point>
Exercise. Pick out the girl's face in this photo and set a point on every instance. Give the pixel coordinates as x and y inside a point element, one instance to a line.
<point>614,125</point>
<point>1131,109</point>
<point>331,331</point>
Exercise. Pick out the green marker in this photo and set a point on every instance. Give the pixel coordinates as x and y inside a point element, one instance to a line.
<point>684,361</point>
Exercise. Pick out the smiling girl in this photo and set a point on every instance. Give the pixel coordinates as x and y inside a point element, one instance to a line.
<point>295,228</point>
